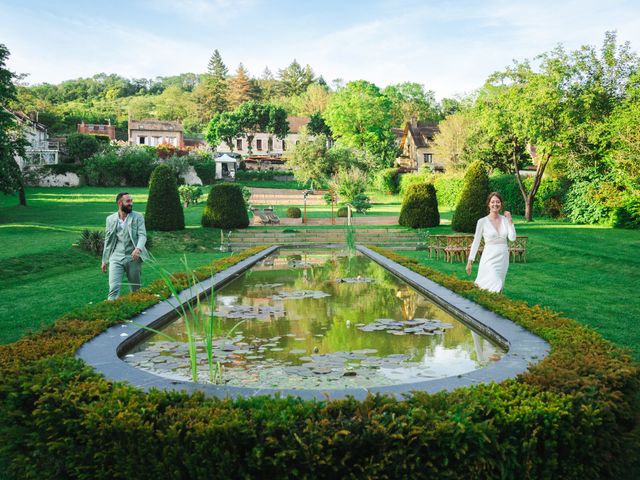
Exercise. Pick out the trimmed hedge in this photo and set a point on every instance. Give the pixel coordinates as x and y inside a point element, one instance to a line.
<point>164,210</point>
<point>225,207</point>
<point>472,205</point>
<point>420,207</point>
<point>388,181</point>
<point>572,416</point>
<point>294,212</point>
<point>343,212</point>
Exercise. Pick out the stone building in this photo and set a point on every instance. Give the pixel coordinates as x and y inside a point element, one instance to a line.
<point>155,132</point>
<point>97,129</point>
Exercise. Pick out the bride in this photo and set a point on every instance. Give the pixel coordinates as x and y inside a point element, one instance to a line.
<point>494,262</point>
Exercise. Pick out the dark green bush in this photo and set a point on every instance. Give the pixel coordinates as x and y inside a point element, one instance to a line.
<point>627,215</point>
<point>294,212</point>
<point>131,166</point>
<point>472,204</point>
<point>206,170</point>
<point>225,208</point>
<point>343,212</point>
<point>388,181</point>
<point>80,146</point>
<point>164,211</point>
<point>420,207</point>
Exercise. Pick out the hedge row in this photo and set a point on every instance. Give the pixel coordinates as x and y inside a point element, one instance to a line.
<point>571,416</point>
<point>550,199</point>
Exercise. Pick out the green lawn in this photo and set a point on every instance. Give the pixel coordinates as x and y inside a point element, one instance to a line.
<point>44,275</point>
<point>588,273</point>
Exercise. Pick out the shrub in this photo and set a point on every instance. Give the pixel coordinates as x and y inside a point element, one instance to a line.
<point>420,207</point>
<point>361,203</point>
<point>294,212</point>
<point>449,187</point>
<point>408,179</point>
<point>628,214</point>
<point>348,183</point>
<point>206,170</point>
<point>225,208</point>
<point>189,194</point>
<point>388,181</point>
<point>164,211</point>
<point>81,146</point>
<point>92,241</point>
<point>343,212</point>
<point>130,165</point>
<point>472,204</point>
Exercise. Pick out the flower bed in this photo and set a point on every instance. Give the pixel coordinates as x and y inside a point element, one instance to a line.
<point>573,415</point>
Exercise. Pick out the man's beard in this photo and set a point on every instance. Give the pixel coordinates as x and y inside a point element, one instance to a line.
<point>127,208</point>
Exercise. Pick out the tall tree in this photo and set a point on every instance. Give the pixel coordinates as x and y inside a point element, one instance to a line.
<point>223,127</point>
<point>210,96</point>
<point>216,67</point>
<point>239,87</point>
<point>12,142</point>
<point>411,100</point>
<point>452,144</point>
<point>294,79</point>
<point>360,116</point>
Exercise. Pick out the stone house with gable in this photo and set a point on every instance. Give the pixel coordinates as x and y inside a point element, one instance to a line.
<point>416,146</point>
<point>40,149</point>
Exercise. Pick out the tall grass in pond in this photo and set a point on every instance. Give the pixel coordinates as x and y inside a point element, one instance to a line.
<point>195,320</point>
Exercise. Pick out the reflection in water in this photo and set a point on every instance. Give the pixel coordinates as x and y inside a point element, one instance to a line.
<point>323,319</point>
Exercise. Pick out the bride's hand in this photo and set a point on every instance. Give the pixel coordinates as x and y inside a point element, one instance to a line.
<point>507,215</point>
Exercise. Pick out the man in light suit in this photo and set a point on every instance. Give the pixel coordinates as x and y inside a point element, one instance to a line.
<point>124,241</point>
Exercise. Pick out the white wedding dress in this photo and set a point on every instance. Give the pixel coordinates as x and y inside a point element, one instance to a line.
<point>494,261</point>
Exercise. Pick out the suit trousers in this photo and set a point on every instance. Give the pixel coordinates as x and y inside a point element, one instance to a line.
<point>117,268</point>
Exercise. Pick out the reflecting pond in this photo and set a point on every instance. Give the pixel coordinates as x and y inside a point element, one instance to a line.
<point>321,319</point>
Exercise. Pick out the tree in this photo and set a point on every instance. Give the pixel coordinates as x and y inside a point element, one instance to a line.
<point>12,143</point>
<point>239,87</point>
<point>308,159</point>
<point>317,126</point>
<point>314,100</point>
<point>361,116</point>
<point>223,127</point>
<point>253,117</point>
<point>410,100</point>
<point>452,142</point>
<point>216,67</point>
<point>164,210</point>
<point>294,79</point>
<point>472,204</point>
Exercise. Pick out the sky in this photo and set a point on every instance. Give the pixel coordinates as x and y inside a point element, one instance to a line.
<point>450,47</point>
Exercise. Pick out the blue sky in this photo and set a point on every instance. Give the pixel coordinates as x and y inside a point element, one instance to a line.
<point>448,46</point>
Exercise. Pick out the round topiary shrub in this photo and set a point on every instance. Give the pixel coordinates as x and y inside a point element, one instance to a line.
<point>472,205</point>
<point>164,211</point>
<point>294,212</point>
<point>225,207</point>
<point>420,207</point>
<point>343,212</point>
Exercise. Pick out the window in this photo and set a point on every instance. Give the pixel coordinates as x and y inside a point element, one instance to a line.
<point>239,144</point>
<point>259,144</point>
<point>142,140</point>
<point>428,158</point>
<point>284,146</point>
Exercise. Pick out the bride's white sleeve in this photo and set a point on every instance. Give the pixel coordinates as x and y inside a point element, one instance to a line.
<point>476,240</point>
<point>511,231</point>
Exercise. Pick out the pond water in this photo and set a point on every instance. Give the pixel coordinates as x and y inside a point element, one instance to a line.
<point>319,319</point>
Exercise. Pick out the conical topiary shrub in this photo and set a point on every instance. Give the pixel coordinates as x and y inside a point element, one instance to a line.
<point>420,207</point>
<point>164,211</point>
<point>472,205</point>
<point>225,207</point>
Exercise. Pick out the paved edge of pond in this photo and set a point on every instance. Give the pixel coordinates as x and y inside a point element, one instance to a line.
<point>104,352</point>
